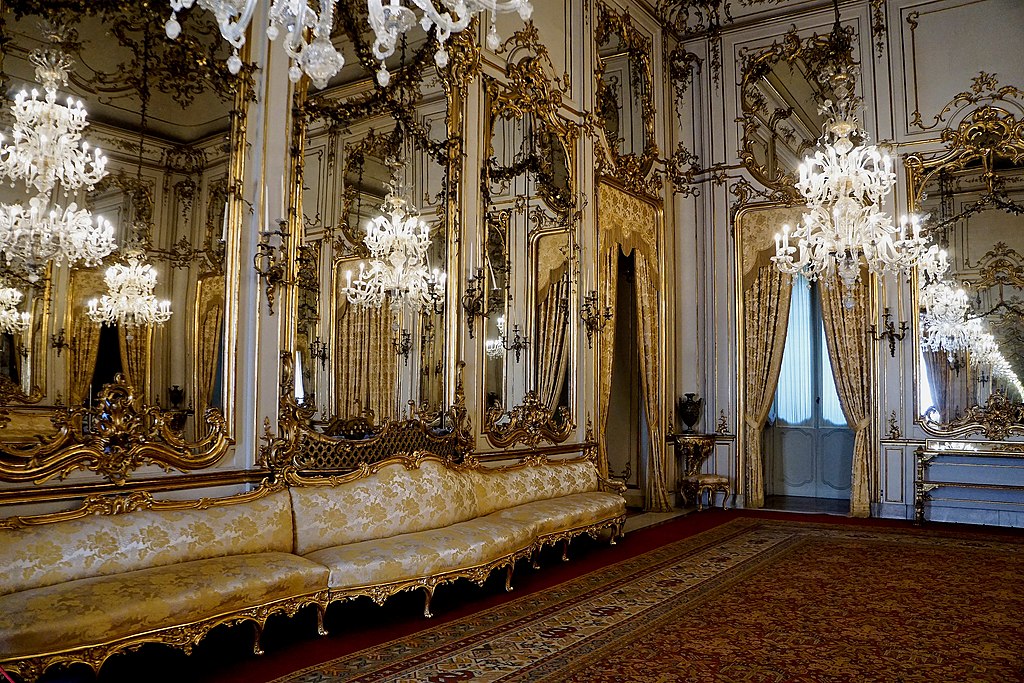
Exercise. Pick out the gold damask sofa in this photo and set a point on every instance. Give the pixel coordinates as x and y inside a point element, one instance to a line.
<point>119,572</point>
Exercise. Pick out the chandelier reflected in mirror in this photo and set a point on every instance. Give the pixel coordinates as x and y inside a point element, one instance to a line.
<point>12,321</point>
<point>398,272</point>
<point>47,154</point>
<point>129,302</point>
<point>308,33</point>
<point>844,185</point>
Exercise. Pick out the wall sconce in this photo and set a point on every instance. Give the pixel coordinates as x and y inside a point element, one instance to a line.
<point>269,261</point>
<point>403,345</point>
<point>519,342</point>
<point>59,342</point>
<point>176,394</point>
<point>593,317</point>
<point>889,332</point>
<point>473,298</point>
<point>318,350</point>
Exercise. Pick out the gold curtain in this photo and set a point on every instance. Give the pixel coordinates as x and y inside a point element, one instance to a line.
<point>209,333</point>
<point>83,333</point>
<point>608,274</point>
<point>135,355</point>
<point>766,317</point>
<point>648,327</point>
<point>628,223</point>
<point>367,365</point>
<point>552,337</point>
<point>846,334</point>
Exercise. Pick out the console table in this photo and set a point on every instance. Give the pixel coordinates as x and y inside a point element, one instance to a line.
<point>691,451</point>
<point>988,462</point>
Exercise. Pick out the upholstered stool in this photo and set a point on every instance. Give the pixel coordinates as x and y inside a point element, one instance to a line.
<point>699,484</point>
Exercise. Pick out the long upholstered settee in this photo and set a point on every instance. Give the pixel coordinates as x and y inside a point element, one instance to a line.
<point>118,572</point>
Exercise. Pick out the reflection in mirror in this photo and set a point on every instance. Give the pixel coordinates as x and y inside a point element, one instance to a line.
<point>780,96</point>
<point>530,210</point>
<point>625,101</point>
<point>384,360</point>
<point>973,197</point>
<point>164,113</point>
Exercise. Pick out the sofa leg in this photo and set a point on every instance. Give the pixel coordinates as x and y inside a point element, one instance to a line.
<point>257,649</point>
<point>320,613</point>
<point>508,578</point>
<point>614,532</point>
<point>428,593</point>
<point>565,550</point>
<point>535,558</point>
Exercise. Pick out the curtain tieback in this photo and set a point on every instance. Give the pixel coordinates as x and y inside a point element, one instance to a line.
<point>862,424</point>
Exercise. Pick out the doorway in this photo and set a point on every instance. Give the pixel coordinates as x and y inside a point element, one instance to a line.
<point>808,445</point>
<point>627,436</point>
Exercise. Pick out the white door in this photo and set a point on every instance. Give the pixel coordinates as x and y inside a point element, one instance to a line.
<point>808,447</point>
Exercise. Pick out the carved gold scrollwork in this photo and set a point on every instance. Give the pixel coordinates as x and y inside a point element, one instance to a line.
<point>357,444</point>
<point>997,419</point>
<point>528,423</point>
<point>631,170</point>
<point>114,437</point>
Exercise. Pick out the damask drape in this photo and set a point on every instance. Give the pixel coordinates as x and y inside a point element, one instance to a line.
<point>765,317</point>
<point>628,223</point>
<point>846,334</point>
<point>367,364</point>
<point>135,355</point>
<point>209,333</point>
<point>608,274</point>
<point>84,334</point>
<point>552,347</point>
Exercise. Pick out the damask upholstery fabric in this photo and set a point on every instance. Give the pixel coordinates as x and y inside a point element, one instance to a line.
<point>101,545</point>
<point>424,553</point>
<point>104,608</point>
<point>568,512</point>
<point>500,489</point>
<point>393,501</point>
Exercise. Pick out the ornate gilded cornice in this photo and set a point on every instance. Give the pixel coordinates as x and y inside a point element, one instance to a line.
<point>114,437</point>
<point>529,423</point>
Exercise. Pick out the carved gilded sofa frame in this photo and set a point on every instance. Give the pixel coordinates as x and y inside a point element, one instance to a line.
<point>185,636</point>
<point>182,636</point>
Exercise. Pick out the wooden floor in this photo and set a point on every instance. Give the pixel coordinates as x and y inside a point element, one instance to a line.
<point>823,506</point>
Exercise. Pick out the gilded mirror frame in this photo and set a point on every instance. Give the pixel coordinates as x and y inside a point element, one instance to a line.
<point>528,89</point>
<point>123,431</point>
<point>993,130</point>
<point>630,169</point>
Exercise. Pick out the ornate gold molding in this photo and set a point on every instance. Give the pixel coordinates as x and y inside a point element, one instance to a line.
<point>997,419</point>
<point>303,449</point>
<point>631,170</point>
<point>114,437</point>
<point>528,423</point>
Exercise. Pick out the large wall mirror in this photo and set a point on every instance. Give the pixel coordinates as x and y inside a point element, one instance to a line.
<point>625,96</point>
<point>973,195</point>
<point>780,94</point>
<point>369,363</point>
<point>170,119</point>
<point>528,246</point>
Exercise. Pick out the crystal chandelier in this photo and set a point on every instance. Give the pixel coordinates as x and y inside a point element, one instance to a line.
<point>130,302</point>
<point>390,21</point>
<point>398,242</point>
<point>844,185</point>
<point>11,320</point>
<point>48,155</point>
<point>308,41</point>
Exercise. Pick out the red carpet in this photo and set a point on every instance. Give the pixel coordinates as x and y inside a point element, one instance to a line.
<point>467,614</point>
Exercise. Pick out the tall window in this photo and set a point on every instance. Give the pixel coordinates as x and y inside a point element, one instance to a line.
<point>806,394</point>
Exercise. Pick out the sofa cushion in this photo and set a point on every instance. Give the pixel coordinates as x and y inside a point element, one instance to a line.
<point>499,489</point>
<point>425,553</point>
<point>105,608</point>
<point>102,545</point>
<point>392,501</point>
<point>566,513</point>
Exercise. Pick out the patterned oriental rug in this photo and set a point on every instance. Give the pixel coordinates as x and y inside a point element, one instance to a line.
<point>754,599</point>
